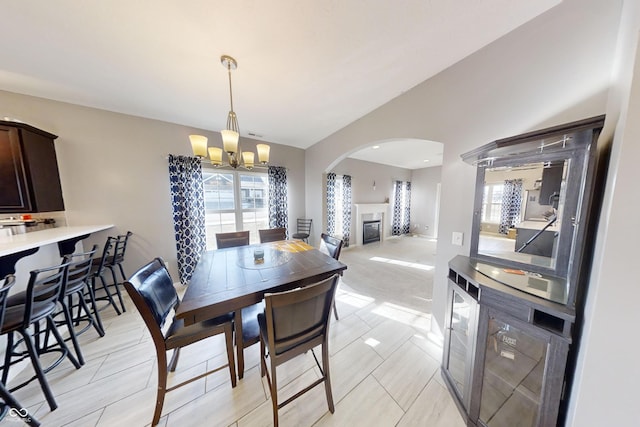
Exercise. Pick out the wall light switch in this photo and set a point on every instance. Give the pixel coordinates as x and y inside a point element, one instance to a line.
<point>457,238</point>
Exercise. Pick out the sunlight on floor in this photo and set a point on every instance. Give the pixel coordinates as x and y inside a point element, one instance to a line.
<point>371,342</point>
<point>403,263</point>
<point>404,315</point>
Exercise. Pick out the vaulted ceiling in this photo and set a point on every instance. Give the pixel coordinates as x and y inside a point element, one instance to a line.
<point>305,68</point>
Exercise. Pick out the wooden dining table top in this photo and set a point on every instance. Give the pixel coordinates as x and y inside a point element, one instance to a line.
<point>226,280</point>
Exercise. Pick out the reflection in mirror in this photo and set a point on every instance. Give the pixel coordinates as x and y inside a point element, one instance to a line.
<point>522,212</point>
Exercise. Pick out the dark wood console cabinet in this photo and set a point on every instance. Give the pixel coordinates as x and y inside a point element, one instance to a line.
<point>515,307</point>
<point>29,178</point>
<point>505,352</point>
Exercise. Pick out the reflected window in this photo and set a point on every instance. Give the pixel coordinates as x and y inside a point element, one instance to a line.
<point>492,203</point>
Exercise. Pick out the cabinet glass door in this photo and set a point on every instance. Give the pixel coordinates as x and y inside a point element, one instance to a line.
<point>513,373</point>
<point>462,322</point>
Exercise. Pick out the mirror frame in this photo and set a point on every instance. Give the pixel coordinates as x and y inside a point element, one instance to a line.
<point>574,142</point>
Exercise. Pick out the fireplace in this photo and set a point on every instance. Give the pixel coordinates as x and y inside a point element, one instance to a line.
<point>370,231</point>
<point>370,212</point>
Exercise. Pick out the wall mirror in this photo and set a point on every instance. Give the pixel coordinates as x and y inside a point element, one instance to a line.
<point>529,214</point>
<point>521,212</point>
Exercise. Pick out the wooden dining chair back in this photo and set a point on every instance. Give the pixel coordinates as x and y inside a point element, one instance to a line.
<point>331,246</point>
<point>23,314</point>
<point>245,318</point>
<point>5,285</point>
<point>293,323</point>
<point>303,229</point>
<point>233,239</point>
<point>272,234</point>
<point>152,292</point>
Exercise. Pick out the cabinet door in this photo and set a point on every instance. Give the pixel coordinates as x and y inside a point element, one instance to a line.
<point>460,341</point>
<point>14,193</point>
<point>520,371</point>
<point>39,154</point>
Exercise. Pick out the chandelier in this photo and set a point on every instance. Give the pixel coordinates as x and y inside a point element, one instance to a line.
<point>230,137</point>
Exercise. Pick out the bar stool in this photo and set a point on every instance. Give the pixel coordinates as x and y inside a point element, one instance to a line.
<point>118,256</point>
<point>7,398</point>
<point>38,304</point>
<point>77,284</point>
<point>116,260</point>
<point>303,229</point>
<point>98,269</point>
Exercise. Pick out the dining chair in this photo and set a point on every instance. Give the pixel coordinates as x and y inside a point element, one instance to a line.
<point>38,304</point>
<point>152,292</point>
<point>11,402</point>
<point>331,246</point>
<point>231,240</point>
<point>272,234</point>
<point>246,320</point>
<point>303,229</point>
<point>293,323</point>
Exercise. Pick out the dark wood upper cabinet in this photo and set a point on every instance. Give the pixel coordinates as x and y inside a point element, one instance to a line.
<point>29,177</point>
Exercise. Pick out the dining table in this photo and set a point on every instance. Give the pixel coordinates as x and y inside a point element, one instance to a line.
<point>228,280</point>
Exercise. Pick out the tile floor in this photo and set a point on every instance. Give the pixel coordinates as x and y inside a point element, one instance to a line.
<point>384,363</point>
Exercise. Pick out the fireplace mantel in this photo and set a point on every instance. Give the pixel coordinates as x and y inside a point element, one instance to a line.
<point>370,211</point>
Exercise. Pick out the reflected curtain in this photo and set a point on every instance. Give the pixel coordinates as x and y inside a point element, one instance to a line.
<point>511,205</point>
<point>187,199</point>
<point>346,209</point>
<point>401,208</point>
<point>278,216</point>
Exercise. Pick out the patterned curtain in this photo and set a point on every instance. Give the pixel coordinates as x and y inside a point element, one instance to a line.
<point>187,197</point>
<point>346,209</point>
<point>511,204</point>
<point>331,204</point>
<point>278,216</point>
<point>396,224</point>
<point>406,220</point>
<point>401,208</point>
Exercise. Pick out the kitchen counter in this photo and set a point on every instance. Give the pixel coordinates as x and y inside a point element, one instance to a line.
<point>22,242</point>
<point>13,248</point>
<point>543,244</point>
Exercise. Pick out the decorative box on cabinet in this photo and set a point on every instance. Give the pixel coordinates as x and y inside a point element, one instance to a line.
<point>29,178</point>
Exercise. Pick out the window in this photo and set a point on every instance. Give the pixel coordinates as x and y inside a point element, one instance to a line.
<point>235,201</point>
<point>492,203</point>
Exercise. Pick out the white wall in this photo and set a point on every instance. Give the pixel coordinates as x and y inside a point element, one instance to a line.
<point>552,70</point>
<point>606,388</point>
<point>363,174</point>
<point>424,193</point>
<point>113,170</point>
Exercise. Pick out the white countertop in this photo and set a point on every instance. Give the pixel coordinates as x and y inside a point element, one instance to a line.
<point>21,242</point>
